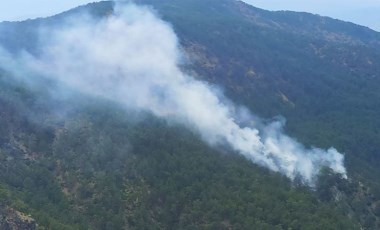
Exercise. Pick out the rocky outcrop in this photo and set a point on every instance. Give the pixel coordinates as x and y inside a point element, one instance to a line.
<point>11,219</point>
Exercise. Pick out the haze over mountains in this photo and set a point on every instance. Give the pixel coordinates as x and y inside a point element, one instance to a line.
<point>107,110</point>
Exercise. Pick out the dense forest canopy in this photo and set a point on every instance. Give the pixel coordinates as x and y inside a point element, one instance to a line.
<point>107,167</point>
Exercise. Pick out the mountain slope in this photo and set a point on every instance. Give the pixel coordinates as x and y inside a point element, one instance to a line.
<point>323,81</point>
<point>321,74</point>
<point>107,169</point>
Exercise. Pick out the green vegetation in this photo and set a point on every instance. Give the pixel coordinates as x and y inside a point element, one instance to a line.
<point>94,165</point>
<point>107,168</point>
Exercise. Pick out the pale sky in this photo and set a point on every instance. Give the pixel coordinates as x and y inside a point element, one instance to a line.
<point>15,10</point>
<point>363,12</point>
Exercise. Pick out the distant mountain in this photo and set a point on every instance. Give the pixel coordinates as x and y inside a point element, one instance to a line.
<point>106,168</point>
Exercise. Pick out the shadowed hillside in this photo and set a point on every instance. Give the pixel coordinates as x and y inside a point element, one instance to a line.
<point>109,168</point>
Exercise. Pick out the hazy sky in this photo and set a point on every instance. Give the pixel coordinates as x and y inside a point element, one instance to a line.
<point>364,12</point>
<point>11,10</point>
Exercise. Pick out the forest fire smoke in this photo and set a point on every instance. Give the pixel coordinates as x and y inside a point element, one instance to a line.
<point>133,58</point>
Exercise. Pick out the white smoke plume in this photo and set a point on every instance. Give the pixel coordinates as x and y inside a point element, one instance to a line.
<point>133,57</point>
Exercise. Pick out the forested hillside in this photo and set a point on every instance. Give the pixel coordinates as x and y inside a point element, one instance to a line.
<point>105,167</point>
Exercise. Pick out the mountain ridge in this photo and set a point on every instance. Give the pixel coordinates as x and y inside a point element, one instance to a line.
<point>310,79</point>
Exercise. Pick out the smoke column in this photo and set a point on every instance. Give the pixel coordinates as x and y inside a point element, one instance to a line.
<point>132,57</point>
